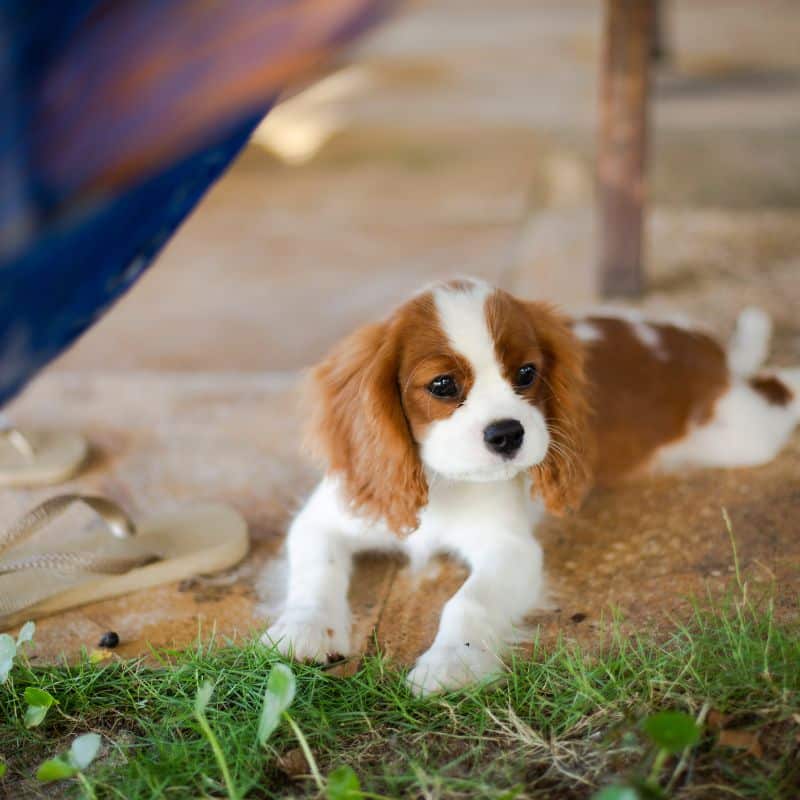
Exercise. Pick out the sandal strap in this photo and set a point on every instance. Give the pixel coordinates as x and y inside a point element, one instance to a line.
<point>19,441</point>
<point>118,522</point>
<point>66,563</point>
<point>70,563</point>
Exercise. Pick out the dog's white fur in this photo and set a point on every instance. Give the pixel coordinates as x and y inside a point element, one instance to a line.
<point>480,510</point>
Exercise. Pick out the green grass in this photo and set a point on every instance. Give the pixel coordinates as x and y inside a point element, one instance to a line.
<point>565,722</point>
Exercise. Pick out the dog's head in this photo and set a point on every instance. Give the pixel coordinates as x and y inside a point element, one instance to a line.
<point>463,383</point>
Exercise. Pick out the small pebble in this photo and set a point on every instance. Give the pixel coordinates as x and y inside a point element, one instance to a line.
<point>109,639</point>
<point>293,764</point>
<point>334,658</point>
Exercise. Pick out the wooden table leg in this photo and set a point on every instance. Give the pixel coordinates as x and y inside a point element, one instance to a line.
<point>660,50</point>
<point>622,149</point>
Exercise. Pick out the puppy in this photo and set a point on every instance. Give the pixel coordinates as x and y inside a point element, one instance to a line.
<point>457,422</point>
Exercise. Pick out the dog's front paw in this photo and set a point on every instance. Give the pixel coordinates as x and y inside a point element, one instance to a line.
<point>445,668</point>
<point>310,636</point>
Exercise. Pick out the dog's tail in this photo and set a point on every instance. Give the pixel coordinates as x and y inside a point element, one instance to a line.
<point>747,352</point>
<point>749,346</point>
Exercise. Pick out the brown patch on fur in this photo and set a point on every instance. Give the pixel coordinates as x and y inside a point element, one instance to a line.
<point>369,406</point>
<point>358,426</point>
<point>425,354</point>
<point>641,401</point>
<point>536,333</point>
<point>774,391</point>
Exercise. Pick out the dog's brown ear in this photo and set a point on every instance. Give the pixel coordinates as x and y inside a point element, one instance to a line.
<point>564,477</point>
<point>359,429</point>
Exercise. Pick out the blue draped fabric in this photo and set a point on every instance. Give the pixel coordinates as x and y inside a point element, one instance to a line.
<point>117,115</point>
<point>71,271</point>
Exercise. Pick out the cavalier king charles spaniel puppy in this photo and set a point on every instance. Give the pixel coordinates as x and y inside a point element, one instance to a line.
<point>453,425</point>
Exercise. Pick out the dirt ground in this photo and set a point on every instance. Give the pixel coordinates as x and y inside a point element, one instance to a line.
<point>461,143</point>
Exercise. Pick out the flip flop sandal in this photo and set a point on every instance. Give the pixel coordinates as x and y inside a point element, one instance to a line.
<point>106,560</point>
<point>39,458</point>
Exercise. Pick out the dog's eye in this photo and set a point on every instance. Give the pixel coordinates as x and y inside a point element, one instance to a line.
<point>526,375</point>
<point>443,386</point>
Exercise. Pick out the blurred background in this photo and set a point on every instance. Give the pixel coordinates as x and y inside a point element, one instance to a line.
<point>461,139</point>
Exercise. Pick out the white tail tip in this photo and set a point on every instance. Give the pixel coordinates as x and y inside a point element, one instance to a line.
<point>749,345</point>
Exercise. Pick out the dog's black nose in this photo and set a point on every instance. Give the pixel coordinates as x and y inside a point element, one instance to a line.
<point>504,437</point>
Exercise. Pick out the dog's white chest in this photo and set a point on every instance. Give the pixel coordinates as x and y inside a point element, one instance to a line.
<point>463,517</point>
